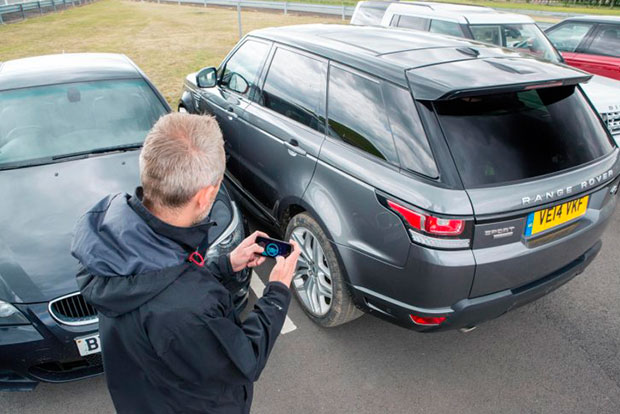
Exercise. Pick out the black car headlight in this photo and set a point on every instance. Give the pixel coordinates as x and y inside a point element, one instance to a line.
<point>230,238</point>
<point>10,315</point>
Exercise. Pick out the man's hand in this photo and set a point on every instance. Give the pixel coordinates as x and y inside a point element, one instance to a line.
<point>284,269</point>
<point>247,253</point>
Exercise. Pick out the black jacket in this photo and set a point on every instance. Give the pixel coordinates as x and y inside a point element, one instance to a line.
<point>170,336</point>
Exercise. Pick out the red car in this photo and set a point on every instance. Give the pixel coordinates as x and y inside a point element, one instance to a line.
<point>590,43</point>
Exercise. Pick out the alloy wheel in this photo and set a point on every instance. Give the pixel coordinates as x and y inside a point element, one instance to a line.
<point>312,280</point>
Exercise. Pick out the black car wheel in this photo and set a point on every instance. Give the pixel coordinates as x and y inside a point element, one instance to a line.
<point>318,282</point>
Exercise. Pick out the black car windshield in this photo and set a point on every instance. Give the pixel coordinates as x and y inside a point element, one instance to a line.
<point>520,135</point>
<point>525,37</point>
<point>47,123</point>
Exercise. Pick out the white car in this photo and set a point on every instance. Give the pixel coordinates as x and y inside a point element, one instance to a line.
<point>511,30</point>
<point>605,96</point>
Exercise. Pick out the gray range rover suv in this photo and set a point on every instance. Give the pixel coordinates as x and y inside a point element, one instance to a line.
<point>432,181</point>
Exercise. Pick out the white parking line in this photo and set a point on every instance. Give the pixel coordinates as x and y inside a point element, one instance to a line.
<point>258,286</point>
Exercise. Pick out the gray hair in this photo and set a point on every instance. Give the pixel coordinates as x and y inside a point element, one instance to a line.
<point>181,154</point>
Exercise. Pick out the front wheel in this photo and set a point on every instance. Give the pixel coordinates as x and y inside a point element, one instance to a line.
<point>318,282</point>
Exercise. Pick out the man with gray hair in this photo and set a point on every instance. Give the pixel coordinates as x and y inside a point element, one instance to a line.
<point>170,337</point>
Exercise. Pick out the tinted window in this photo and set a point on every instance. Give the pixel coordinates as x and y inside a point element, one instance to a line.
<point>413,149</point>
<point>295,88</point>
<point>519,135</point>
<point>607,41</point>
<point>412,22</point>
<point>567,37</point>
<point>49,121</point>
<point>244,66</point>
<point>448,28</point>
<point>357,114</point>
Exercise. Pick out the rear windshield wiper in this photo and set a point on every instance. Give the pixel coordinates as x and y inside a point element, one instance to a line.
<point>125,147</point>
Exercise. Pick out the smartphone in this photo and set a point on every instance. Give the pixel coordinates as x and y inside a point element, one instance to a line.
<point>273,247</point>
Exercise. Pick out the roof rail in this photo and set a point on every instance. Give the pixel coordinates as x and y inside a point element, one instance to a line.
<point>418,3</point>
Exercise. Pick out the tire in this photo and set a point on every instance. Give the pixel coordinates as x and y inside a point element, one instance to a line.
<point>314,277</point>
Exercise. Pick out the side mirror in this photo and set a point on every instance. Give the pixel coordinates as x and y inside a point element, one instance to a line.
<point>206,78</point>
<point>238,84</point>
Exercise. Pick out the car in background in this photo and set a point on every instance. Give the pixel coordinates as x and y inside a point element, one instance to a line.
<point>434,181</point>
<point>369,13</point>
<point>71,130</point>
<point>515,31</point>
<point>590,43</point>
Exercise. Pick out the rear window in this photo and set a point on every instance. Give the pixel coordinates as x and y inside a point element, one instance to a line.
<point>368,15</point>
<point>412,22</point>
<point>514,136</point>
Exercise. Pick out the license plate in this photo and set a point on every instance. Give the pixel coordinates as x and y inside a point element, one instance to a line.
<point>88,344</point>
<point>543,220</point>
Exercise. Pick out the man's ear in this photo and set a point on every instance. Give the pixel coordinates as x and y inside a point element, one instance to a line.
<point>206,195</point>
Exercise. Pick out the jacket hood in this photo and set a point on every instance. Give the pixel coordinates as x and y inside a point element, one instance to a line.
<point>126,262</point>
<point>111,239</point>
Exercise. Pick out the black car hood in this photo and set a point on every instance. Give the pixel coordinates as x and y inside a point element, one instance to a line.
<point>39,209</point>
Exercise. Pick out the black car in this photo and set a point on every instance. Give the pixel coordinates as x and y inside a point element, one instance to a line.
<point>432,181</point>
<point>71,130</point>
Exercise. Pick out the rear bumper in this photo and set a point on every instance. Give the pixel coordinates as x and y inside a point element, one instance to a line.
<point>470,312</point>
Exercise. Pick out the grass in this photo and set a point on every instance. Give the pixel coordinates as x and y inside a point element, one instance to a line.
<point>166,41</point>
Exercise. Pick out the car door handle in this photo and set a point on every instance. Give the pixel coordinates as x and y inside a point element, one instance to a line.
<point>293,148</point>
<point>231,113</point>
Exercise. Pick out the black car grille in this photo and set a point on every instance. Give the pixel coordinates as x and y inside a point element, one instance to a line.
<point>73,310</point>
<point>59,371</point>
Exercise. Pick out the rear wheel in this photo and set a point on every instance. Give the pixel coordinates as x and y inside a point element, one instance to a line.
<point>318,282</point>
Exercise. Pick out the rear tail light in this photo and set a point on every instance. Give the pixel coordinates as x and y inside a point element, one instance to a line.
<point>427,320</point>
<point>447,233</point>
<point>429,224</point>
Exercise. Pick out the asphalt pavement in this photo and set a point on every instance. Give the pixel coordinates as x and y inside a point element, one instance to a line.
<point>560,354</point>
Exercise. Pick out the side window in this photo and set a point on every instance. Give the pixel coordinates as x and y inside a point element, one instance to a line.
<point>241,70</point>
<point>357,114</point>
<point>412,22</point>
<point>607,41</point>
<point>444,27</point>
<point>394,21</point>
<point>567,37</point>
<point>412,145</point>
<point>295,88</point>
<point>487,34</point>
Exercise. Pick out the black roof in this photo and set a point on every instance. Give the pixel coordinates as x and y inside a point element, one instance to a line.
<point>435,65</point>
<point>64,68</point>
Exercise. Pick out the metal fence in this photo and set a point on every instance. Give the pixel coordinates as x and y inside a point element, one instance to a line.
<point>345,11</point>
<point>17,11</point>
